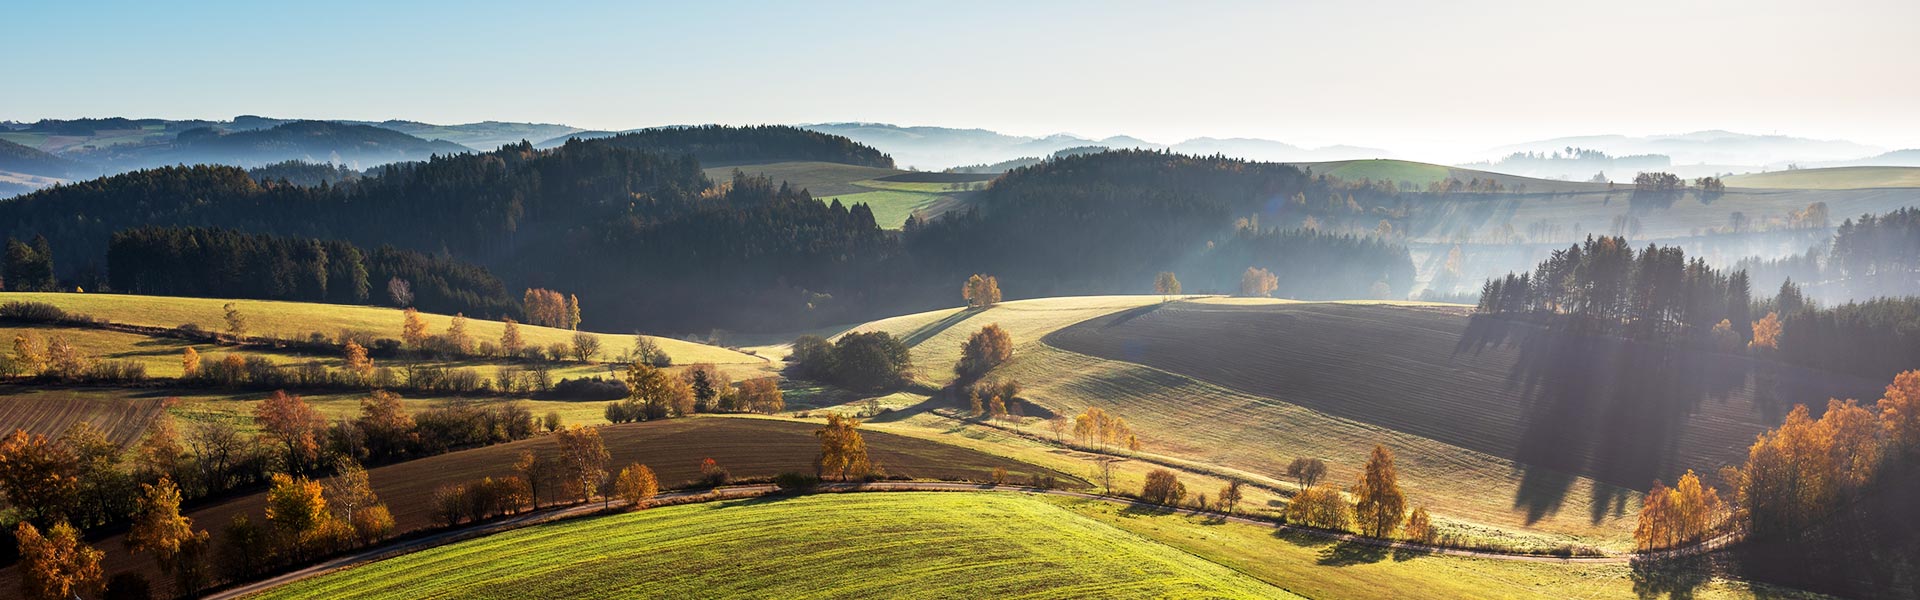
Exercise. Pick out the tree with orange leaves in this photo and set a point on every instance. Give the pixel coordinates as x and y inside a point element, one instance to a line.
<point>56,566</point>
<point>297,427</point>
<point>1766,332</point>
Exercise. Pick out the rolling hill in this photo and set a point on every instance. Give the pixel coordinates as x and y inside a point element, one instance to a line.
<point>1831,178</point>
<point>311,141</point>
<point>15,158</point>
<point>1418,175</point>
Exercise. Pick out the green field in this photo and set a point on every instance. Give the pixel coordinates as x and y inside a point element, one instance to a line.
<point>297,320</point>
<point>892,201</point>
<point>1836,178</point>
<point>1420,174</point>
<point>922,545</point>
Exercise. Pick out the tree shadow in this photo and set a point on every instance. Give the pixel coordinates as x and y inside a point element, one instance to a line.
<point>1671,577</point>
<point>926,332</point>
<point>1347,554</point>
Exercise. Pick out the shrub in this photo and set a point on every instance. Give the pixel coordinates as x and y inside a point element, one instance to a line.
<point>588,389</point>
<point>795,482</point>
<point>38,312</point>
<point>1163,487</point>
<point>713,474</point>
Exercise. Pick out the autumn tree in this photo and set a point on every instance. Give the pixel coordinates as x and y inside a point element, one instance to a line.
<point>761,395</point>
<point>295,426</point>
<point>1320,506</point>
<point>843,454</point>
<point>1672,516</point>
<point>37,476</point>
<point>29,354</point>
<point>57,566</point>
<point>585,346</point>
<point>652,393</point>
<point>1378,504</point>
<point>510,343</point>
<point>712,388</point>
<point>457,336</point>
<point>981,291</point>
<point>1766,332</point>
<point>104,493</point>
<point>536,470</point>
<point>546,307</point>
<point>358,364</point>
<point>159,529</point>
<point>1166,285</point>
<point>1306,471</point>
<point>349,493</point>
<point>399,292</point>
<point>573,311</point>
<point>413,329</point>
<point>1258,282</point>
<point>159,453</point>
<point>984,350</point>
<point>1163,487</point>
<point>1230,496</point>
<point>583,460</point>
<point>1096,427</point>
<point>189,363</point>
<point>637,486</point>
<point>297,510</point>
<point>1420,526</point>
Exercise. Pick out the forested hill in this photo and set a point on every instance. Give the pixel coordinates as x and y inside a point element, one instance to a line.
<point>313,141</point>
<point>648,241</point>
<point>719,144</point>
<point>16,158</point>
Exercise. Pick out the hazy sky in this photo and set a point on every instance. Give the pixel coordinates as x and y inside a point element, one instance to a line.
<point>1419,77</point>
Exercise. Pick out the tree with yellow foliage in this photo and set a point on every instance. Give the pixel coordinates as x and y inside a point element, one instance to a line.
<point>158,528</point>
<point>1166,285</point>
<point>1671,516</point>
<point>357,362</point>
<point>297,510</point>
<point>57,566</point>
<point>28,353</point>
<point>189,363</point>
<point>1378,504</point>
<point>981,291</point>
<point>1420,526</point>
<point>637,485</point>
<point>510,343</point>
<point>843,453</point>
<point>1320,506</point>
<point>413,329</point>
<point>1258,282</point>
<point>1766,332</point>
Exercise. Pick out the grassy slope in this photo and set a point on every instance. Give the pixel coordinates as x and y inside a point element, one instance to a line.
<point>823,179</point>
<point>298,319</point>
<point>831,546</point>
<point>1421,174</point>
<point>892,201</point>
<point>126,411</point>
<point>749,448</point>
<point>1836,178</point>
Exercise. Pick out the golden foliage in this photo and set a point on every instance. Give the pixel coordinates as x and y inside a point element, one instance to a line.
<point>1319,506</point>
<point>1379,505</point>
<point>843,453</point>
<point>637,485</point>
<point>1258,282</point>
<point>981,291</point>
<point>56,566</point>
<point>1766,332</point>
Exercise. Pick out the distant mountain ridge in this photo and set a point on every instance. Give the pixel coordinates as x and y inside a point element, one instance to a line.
<point>933,148</point>
<point>1711,147</point>
<point>357,146</point>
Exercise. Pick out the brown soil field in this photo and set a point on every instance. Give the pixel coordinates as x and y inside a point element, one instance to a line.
<point>747,447</point>
<point>51,412</point>
<point>1616,411</point>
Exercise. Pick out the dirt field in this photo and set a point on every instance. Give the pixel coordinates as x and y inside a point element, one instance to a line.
<point>52,412</point>
<point>1618,412</point>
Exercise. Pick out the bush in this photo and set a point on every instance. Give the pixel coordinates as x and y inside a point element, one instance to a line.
<point>38,312</point>
<point>795,482</point>
<point>589,389</point>
<point>713,474</point>
<point>1163,487</point>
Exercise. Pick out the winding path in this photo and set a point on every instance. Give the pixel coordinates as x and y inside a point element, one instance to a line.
<point>749,491</point>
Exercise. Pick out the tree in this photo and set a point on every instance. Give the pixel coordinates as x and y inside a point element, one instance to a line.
<point>1258,282</point>
<point>647,351</point>
<point>762,395</point>
<point>357,362</point>
<point>349,493</point>
<point>1166,285</point>
<point>457,337</point>
<point>510,343</point>
<point>159,529</point>
<point>573,311</point>
<point>1320,506</point>
<point>57,566</point>
<point>984,350</point>
<point>236,322</point>
<point>1230,496</point>
<point>37,476</point>
<point>1059,425</point>
<point>1379,506</point>
<point>637,486</point>
<point>104,492</point>
<point>1306,471</point>
<point>399,292</point>
<point>1163,487</point>
<point>583,460</point>
<point>654,394</point>
<point>585,346</point>
<point>29,354</point>
<point>547,308</point>
<point>1766,332</point>
<point>413,329</point>
<point>295,425</point>
<point>712,389</point>
<point>1420,526</point>
<point>297,510</point>
<point>29,268</point>
<point>981,291</point>
<point>870,361</point>
<point>536,470</point>
<point>843,453</point>
<point>189,363</point>
<point>159,453</point>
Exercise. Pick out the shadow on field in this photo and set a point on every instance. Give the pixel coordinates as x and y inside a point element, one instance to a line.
<point>1674,578</point>
<point>926,332</point>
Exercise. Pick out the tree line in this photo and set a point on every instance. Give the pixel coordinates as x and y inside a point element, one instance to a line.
<point>1604,285</point>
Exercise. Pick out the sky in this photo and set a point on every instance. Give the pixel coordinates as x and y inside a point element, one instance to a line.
<point>1416,77</point>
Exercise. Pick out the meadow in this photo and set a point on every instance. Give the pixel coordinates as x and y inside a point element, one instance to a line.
<point>1834,178</point>
<point>883,190</point>
<point>825,546</point>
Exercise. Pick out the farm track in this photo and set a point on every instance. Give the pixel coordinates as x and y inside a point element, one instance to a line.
<point>449,537</point>
<point>1618,412</point>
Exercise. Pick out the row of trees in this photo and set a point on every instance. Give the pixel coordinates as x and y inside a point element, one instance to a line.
<point>1603,284</point>
<point>28,267</point>
<point>861,361</point>
<point>653,393</point>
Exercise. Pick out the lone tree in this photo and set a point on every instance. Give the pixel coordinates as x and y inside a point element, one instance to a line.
<point>1163,487</point>
<point>1378,505</point>
<point>1230,496</point>
<point>986,349</point>
<point>413,329</point>
<point>1307,471</point>
<point>236,322</point>
<point>1166,285</point>
<point>637,485</point>
<point>981,291</point>
<point>583,460</point>
<point>510,342</point>
<point>1258,282</point>
<point>400,292</point>
<point>843,453</point>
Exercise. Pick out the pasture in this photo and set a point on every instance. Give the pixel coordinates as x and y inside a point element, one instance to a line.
<point>892,194</point>
<point>748,447</point>
<point>822,179</point>
<point>1420,174</point>
<point>298,320</point>
<point>1833,178</point>
<point>825,546</point>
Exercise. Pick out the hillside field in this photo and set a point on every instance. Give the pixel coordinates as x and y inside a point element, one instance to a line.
<point>827,546</point>
<point>51,412</point>
<point>1833,178</point>
<point>1420,174</point>
<point>297,320</point>
<point>747,447</point>
<point>887,191</point>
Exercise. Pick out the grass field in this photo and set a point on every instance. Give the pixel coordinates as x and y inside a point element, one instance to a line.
<point>747,447</point>
<point>1420,174</point>
<point>1835,178</point>
<point>892,201</point>
<point>936,336</point>
<point>922,545</point>
<point>296,320</point>
<point>128,410</point>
